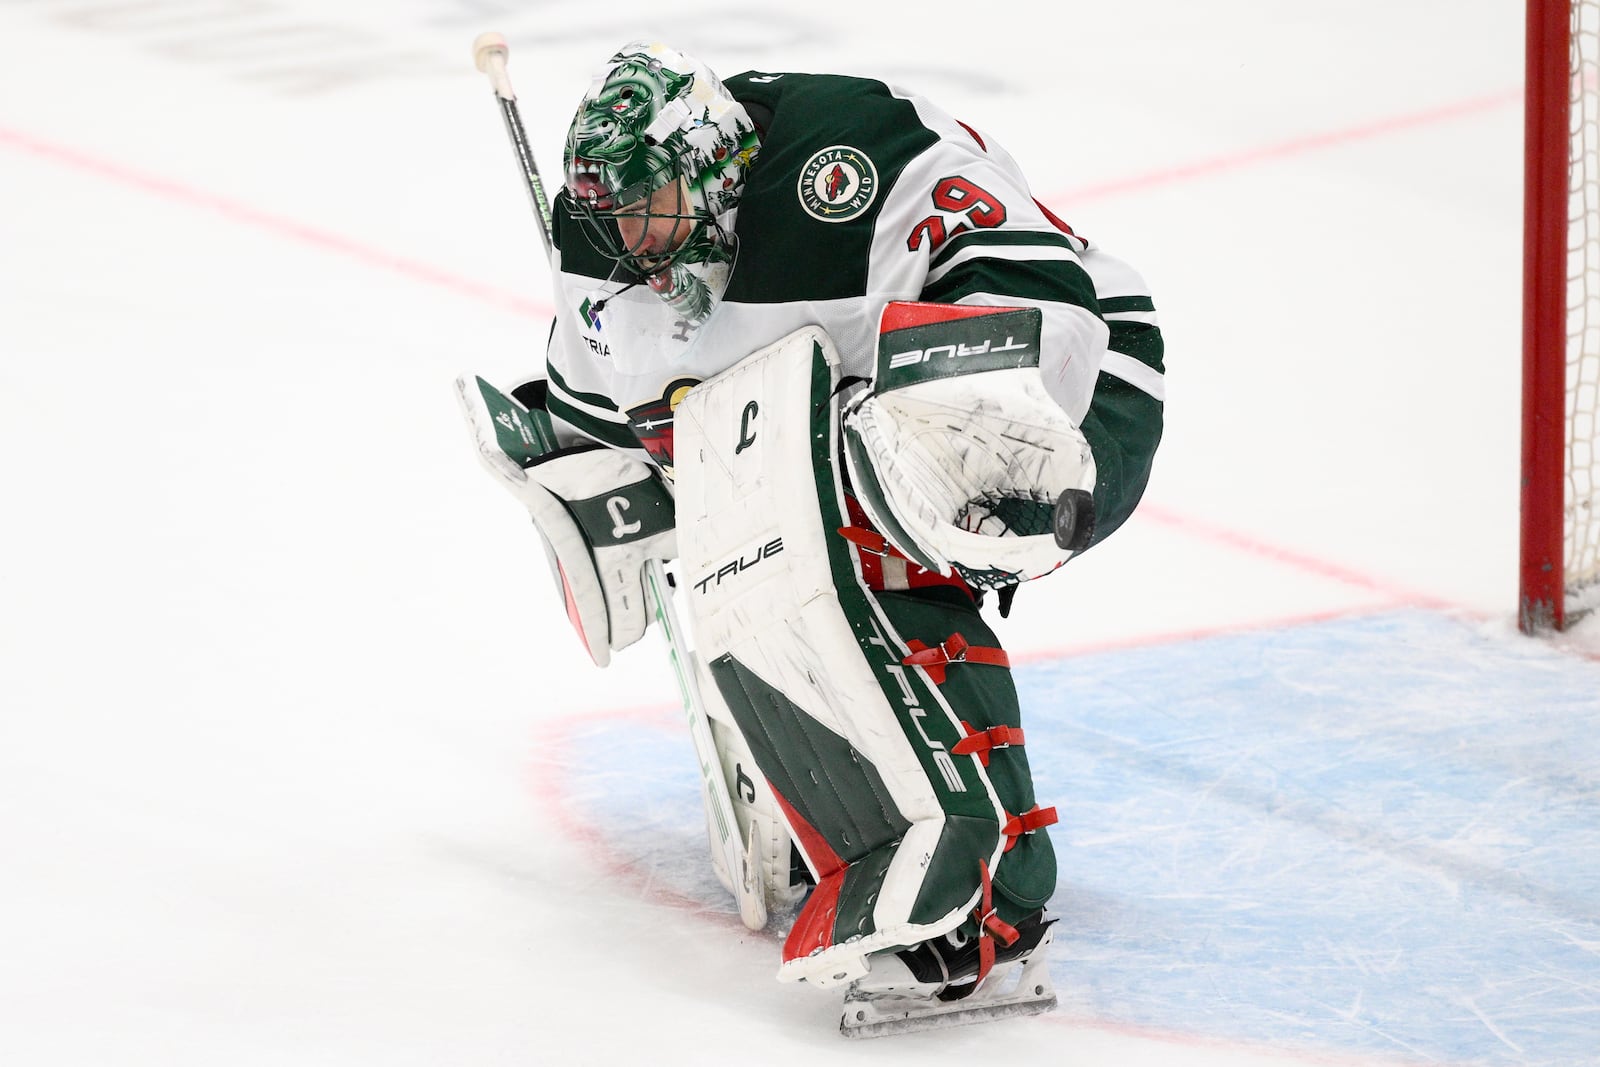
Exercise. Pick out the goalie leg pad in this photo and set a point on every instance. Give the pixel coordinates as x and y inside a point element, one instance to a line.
<point>762,828</point>
<point>855,743</point>
<point>984,698</point>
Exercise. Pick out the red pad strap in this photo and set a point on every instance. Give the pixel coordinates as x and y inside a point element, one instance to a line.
<point>982,742</point>
<point>868,540</point>
<point>873,551</point>
<point>955,650</point>
<point>1027,823</point>
<point>991,928</point>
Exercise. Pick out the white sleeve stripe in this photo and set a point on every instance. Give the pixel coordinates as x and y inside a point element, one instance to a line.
<point>1131,316</point>
<point>1019,253</point>
<point>1136,374</point>
<point>597,413</point>
<point>575,434</point>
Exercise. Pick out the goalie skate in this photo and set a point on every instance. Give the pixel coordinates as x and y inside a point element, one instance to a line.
<point>924,988</point>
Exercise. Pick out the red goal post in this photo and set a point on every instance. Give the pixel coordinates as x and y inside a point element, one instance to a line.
<point>1560,537</point>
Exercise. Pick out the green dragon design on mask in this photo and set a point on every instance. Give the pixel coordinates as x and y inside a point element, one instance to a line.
<point>607,140</point>
<point>613,161</point>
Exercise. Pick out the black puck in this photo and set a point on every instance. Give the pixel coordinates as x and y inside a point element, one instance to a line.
<point>1073,524</point>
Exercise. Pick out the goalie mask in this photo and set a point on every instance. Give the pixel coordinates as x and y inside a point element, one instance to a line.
<point>655,162</point>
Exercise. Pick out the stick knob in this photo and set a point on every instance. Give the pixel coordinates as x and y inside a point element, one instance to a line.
<point>489,54</point>
<point>488,45</point>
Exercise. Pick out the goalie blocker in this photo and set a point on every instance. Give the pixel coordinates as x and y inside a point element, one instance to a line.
<point>874,699</point>
<point>601,514</point>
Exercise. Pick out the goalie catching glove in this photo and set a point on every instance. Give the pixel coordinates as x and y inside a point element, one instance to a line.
<point>957,453</point>
<point>601,513</point>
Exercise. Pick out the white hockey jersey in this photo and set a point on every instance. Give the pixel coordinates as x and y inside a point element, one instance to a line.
<point>861,194</point>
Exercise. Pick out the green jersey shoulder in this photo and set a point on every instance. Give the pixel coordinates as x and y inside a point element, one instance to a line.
<point>832,150</point>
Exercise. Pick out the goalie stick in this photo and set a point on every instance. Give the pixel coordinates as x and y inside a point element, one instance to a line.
<point>490,53</point>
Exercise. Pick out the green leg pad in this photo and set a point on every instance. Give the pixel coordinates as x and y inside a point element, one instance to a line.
<point>984,696</point>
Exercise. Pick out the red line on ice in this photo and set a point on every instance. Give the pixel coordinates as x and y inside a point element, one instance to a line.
<point>1150,640</point>
<point>547,781</point>
<point>277,225</point>
<point>1242,542</point>
<point>508,301</point>
<point>556,758</point>
<point>1296,1057</point>
<point>1295,146</point>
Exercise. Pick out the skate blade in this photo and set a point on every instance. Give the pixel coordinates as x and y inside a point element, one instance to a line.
<point>1027,993</point>
<point>883,1020</point>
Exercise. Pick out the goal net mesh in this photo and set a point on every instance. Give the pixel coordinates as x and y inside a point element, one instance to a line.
<point>1582,494</point>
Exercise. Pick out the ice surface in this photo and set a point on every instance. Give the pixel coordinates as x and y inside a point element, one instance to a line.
<point>1268,852</point>
<point>299,763</point>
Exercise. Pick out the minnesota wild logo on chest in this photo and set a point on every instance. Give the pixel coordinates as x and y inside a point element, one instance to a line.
<point>652,421</point>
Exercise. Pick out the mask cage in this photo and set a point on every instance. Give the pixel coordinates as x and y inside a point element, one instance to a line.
<point>596,209</point>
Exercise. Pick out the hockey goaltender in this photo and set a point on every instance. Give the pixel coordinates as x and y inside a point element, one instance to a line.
<point>817,344</point>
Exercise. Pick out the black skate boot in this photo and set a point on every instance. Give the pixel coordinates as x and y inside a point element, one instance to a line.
<point>938,983</point>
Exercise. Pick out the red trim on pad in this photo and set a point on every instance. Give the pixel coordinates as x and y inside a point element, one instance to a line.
<point>813,927</point>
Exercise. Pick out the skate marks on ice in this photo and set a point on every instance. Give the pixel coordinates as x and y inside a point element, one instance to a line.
<point>1380,835</point>
<point>1375,836</point>
<point>624,788</point>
